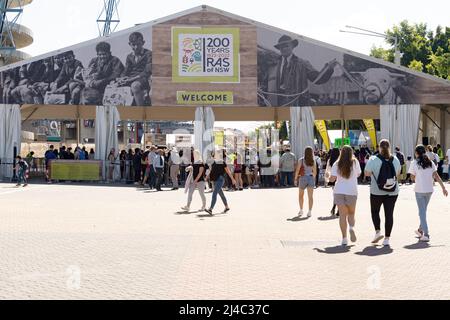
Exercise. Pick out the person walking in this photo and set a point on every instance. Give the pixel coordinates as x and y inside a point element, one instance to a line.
<point>174,167</point>
<point>334,155</point>
<point>401,157</point>
<point>21,169</point>
<point>111,163</point>
<point>384,169</point>
<point>216,176</point>
<point>158,164</point>
<point>196,181</point>
<point>287,168</point>
<point>305,179</point>
<point>345,173</point>
<point>440,153</point>
<point>424,172</point>
<point>238,172</point>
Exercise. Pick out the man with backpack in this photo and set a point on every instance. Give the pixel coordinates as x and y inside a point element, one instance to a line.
<point>401,157</point>
<point>384,169</point>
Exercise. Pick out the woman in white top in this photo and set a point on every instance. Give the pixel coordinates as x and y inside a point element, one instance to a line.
<point>424,172</point>
<point>345,172</point>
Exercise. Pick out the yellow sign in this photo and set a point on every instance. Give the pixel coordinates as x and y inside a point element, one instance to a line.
<point>322,128</point>
<point>370,125</point>
<point>204,97</point>
<point>219,138</point>
<point>75,170</point>
<point>205,55</point>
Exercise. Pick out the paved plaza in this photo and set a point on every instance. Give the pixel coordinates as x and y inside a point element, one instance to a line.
<point>112,242</point>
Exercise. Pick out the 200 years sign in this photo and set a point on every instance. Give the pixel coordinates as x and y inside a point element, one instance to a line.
<point>205,55</point>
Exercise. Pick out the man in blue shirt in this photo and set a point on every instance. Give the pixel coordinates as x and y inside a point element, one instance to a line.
<point>49,156</point>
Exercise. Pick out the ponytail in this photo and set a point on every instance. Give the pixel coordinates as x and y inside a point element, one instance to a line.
<point>422,159</point>
<point>385,149</point>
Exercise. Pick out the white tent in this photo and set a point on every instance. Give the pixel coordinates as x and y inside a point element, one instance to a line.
<point>106,139</point>
<point>10,137</point>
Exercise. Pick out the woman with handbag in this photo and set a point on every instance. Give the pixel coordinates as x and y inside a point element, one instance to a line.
<point>305,179</point>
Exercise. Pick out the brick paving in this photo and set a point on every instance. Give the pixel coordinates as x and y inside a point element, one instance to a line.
<point>103,242</point>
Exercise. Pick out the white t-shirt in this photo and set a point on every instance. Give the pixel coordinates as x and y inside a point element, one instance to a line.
<point>346,186</point>
<point>432,156</point>
<point>424,177</point>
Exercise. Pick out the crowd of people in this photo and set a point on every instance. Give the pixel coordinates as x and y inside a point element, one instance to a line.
<point>385,171</point>
<point>342,169</point>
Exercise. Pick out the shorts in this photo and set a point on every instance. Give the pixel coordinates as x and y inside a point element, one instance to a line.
<point>344,199</point>
<point>306,182</point>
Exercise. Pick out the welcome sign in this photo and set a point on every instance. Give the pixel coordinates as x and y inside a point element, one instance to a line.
<point>205,55</point>
<point>205,97</point>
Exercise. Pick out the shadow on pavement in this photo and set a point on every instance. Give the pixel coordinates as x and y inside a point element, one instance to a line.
<point>421,245</point>
<point>373,251</point>
<point>335,250</point>
<point>327,218</point>
<point>297,219</point>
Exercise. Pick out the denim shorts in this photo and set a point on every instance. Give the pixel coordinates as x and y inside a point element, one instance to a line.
<point>345,199</point>
<point>306,182</point>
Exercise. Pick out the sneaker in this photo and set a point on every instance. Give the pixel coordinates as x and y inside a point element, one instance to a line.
<point>226,210</point>
<point>18,185</point>
<point>202,209</point>
<point>209,211</point>
<point>25,185</point>
<point>352,235</point>
<point>424,238</point>
<point>309,214</point>
<point>185,208</point>
<point>378,237</point>
<point>300,213</point>
<point>418,233</point>
<point>386,242</point>
<point>344,242</point>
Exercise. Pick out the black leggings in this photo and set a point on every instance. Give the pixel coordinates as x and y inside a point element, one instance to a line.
<point>389,203</point>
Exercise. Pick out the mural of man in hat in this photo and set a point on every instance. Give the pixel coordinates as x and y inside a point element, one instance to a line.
<point>291,74</point>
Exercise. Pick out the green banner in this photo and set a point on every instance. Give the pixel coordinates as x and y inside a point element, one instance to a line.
<point>339,143</point>
<point>75,170</point>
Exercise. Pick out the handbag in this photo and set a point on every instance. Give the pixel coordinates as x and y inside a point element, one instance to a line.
<point>302,170</point>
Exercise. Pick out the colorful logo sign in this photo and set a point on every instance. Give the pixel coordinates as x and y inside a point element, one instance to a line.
<point>204,97</point>
<point>205,55</point>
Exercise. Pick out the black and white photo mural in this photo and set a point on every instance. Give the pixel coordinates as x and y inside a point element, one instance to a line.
<point>107,71</point>
<point>293,71</point>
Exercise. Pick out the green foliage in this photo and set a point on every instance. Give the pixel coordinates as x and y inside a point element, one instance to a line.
<point>423,50</point>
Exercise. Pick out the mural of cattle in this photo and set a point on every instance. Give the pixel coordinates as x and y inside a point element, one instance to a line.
<point>380,85</point>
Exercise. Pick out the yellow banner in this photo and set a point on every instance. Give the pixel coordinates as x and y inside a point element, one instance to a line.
<point>219,138</point>
<point>75,170</point>
<point>322,128</point>
<point>204,97</point>
<point>370,125</point>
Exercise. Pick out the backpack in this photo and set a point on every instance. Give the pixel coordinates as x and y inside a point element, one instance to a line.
<point>387,178</point>
<point>400,157</point>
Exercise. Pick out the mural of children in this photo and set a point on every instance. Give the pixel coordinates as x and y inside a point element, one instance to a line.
<point>138,70</point>
<point>69,79</point>
<point>21,93</point>
<point>102,70</point>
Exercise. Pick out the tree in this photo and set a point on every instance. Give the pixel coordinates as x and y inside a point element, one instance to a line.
<point>423,50</point>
